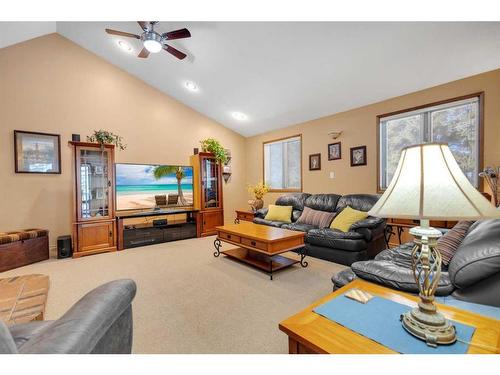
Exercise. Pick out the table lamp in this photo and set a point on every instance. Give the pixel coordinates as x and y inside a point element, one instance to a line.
<point>429,184</point>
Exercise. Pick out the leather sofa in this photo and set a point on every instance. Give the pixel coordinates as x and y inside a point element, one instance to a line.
<point>363,241</point>
<point>99,323</point>
<point>473,274</point>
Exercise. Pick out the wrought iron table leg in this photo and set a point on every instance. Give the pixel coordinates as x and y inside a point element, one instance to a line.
<point>271,268</point>
<point>303,254</point>
<point>217,245</point>
<point>236,221</point>
<point>400,232</point>
<point>389,231</point>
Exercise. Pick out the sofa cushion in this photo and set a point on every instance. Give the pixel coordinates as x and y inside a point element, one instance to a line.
<point>279,213</point>
<point>361,202</point>
<point>478,256</point>
<point>349,216</point>
<point>323,202</point>
<point>336,239</point>
<point>320,219</point>
<point>448,244</point>
<point>296,200</point>
<point>259,220</point>
<point>301,227</point>
<point>396,276</point>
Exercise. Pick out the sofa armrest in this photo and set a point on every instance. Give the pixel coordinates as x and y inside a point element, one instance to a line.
<point>86,324</point>
<point>261,213</point>
<point>370,223</point>
<point>7,344</point>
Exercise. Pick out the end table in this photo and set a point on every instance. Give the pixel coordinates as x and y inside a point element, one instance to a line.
<point>245,215</point>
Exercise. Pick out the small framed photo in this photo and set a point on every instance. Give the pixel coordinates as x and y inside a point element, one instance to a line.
<point>334,151</point>
<point>37,152</point>
<point>315,162</point>
<point>358,156</point>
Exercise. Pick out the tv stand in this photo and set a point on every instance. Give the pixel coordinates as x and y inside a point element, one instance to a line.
<point>145,232</point>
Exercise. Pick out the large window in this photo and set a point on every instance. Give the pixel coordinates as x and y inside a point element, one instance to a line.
<point>283,164</point>
<point>455,122</point>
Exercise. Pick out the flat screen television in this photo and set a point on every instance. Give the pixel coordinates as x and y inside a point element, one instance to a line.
<point>148,186</point>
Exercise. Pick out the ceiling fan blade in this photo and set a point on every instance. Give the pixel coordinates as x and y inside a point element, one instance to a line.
<point>177,34</point>
<point>144,53</point>
<point>122,33</point>
<point>180,55</point>
<point>143,25</point>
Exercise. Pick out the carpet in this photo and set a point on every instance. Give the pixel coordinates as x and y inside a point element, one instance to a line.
<point>187,300</point>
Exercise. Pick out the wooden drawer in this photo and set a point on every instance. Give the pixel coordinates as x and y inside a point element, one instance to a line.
<point>253,243</point>
<point>245,216</point>
<point>230,237</point>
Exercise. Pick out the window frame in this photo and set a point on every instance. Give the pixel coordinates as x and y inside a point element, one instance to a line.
<point>299,190</point>
<point>480,135</point>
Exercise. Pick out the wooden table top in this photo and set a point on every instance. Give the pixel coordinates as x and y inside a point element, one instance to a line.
<point>264,233</point>
<point>326,336</point>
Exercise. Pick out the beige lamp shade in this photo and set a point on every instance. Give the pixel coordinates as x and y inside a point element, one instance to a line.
<point>429,184</point>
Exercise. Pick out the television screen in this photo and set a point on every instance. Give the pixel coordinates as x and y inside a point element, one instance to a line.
<point>142,186</point>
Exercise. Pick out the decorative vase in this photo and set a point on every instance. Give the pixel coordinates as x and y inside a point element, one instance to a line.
<point>257,204</point>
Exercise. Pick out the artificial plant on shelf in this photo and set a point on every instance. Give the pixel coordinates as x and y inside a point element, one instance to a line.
<point>104,137</point>
<point>258,191</point>
<point>213,145</point>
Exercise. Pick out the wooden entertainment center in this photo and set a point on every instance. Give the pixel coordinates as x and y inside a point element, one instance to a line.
<point>98,227</point>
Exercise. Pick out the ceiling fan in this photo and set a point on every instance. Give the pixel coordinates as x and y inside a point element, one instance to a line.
<point>154,42</point>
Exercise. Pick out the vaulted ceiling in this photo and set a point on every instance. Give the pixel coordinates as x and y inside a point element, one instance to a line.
<point>283,73</point>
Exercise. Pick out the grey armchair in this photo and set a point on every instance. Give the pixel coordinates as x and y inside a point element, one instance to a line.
<point>99,323</point>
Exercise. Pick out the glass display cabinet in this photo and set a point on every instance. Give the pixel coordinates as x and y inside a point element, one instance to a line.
<point>207,192</point>
<point>94,216</point>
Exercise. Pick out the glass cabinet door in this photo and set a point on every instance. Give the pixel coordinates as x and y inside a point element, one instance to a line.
<point>95,183</point>
<point>210,183</point>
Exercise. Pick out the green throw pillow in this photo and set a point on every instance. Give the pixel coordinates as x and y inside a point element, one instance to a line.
<point>279,213</point>
<point>346,218</point>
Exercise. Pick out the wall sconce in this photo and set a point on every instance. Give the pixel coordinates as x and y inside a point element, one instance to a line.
<point>335,134</point>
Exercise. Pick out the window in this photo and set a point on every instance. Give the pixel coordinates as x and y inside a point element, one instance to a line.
<point>455,122</point>
<point>283,164</point>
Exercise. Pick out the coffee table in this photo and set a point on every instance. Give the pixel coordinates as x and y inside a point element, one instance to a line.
<point>310,333</point>
<point>261,245</point>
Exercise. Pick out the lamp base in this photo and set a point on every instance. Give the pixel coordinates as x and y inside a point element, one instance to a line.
<point>433,328</point>
<point>425,322</point>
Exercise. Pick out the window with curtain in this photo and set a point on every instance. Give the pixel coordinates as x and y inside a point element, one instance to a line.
<point>283,164</point>
<point>455,122</point>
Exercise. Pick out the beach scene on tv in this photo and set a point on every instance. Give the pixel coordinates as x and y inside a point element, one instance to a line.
<point>141,186</point>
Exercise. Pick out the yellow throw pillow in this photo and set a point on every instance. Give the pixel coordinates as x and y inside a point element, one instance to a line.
<point>346,218</point>
<point>279,213</point>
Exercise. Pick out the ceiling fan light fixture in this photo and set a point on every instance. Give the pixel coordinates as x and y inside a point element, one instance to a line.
<point>152,42</point>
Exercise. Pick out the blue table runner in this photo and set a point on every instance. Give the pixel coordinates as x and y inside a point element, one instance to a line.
<point>379,321</point>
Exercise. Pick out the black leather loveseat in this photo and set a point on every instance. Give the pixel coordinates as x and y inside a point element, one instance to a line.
<point>364,240</point>
<point>473,274</point>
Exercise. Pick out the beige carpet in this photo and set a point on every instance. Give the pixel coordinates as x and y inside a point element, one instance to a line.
<point>187,300</point>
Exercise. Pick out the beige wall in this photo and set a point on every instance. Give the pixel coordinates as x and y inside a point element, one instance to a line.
<point>51,85</point>
<point>359,128</point>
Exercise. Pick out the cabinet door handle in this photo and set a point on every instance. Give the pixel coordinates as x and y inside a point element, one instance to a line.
<point>109,183</point>
<point>111,233</point>
<point>253,243</point>
<point>228,236</point>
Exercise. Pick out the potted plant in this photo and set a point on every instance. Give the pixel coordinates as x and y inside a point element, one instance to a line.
<point>213,146</point>
<point>258,191</point>
<point>104,137</point>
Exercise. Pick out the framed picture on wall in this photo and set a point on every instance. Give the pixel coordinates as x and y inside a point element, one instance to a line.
<point>315,162</point>
<point>37,152</point>
<point>358,156</point>
<point>334,151</point>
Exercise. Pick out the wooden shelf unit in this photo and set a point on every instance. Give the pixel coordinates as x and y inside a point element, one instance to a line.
<point>94,213</point>
<point>207,192</point>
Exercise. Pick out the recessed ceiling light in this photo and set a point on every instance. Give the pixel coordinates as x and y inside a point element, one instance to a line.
<point>124,46</point>
<point>191,86</point>
<point>239,116</point>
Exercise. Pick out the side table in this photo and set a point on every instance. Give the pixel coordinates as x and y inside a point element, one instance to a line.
<point>245,215</point>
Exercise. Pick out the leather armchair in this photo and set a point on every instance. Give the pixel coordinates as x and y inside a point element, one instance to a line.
<point>473,274</point>
<point>100,322</point>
